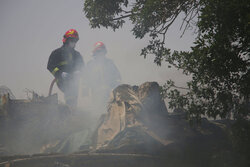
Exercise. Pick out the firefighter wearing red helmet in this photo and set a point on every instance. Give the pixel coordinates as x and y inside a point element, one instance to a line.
<point>65,63</point>
<point>101,76</point>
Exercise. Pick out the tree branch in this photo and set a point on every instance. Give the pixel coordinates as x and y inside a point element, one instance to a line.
<point>122,17</point>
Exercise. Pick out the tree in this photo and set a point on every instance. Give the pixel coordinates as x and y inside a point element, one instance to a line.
<point>219,61</point>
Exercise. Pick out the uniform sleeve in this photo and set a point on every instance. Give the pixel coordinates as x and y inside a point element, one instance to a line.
<point>115,70</point>
<point>53,63</point>
<point>79,62</point>
<point>114,74</point>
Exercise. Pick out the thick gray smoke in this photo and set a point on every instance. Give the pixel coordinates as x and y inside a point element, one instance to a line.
<point>31,30</point>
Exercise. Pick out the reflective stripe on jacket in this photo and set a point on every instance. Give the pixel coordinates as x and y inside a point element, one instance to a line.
<point>64,59</point>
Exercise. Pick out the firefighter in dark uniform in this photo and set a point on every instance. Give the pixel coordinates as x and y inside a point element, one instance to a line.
<point>66,64</point>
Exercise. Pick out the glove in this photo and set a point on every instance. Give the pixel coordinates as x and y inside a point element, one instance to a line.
<point>65,75</point>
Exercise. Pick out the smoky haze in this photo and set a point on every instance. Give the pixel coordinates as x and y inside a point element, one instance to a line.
<point>31,30</point>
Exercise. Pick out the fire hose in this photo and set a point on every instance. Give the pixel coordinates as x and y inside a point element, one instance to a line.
<point>51,86</point>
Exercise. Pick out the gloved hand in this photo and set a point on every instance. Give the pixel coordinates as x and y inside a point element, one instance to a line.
<point>65,75</point>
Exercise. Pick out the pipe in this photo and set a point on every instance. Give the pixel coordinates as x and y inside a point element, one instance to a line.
<point>51,86</point>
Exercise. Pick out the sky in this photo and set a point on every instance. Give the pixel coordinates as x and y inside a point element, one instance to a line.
<point>32,29</point>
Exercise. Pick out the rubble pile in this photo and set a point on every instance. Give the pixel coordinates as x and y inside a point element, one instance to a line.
<point>137,121</point>
<point>26,125</point>
<point>136,129</point>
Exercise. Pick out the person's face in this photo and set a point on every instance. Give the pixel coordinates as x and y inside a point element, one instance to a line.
<point>72,43</point>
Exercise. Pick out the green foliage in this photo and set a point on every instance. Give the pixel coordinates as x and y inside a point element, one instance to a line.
<point>103,12</point>
<point>219,61</point>
<point>149,17</point>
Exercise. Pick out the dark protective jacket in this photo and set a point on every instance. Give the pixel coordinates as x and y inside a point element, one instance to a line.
<point>64,59</point>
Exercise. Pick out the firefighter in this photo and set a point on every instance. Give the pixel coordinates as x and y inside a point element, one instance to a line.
<point>101,76</point>
<point>66,64</point>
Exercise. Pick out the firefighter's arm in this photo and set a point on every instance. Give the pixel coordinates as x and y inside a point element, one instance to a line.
<point>79,62</point>
<point>53,66</point>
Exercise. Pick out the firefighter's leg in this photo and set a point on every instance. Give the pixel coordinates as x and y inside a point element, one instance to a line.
<point>71,95</point>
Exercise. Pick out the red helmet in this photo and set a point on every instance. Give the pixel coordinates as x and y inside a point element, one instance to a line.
<point>98,47</point>
<point>72,33</point>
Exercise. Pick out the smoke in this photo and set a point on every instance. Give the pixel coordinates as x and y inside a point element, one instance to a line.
<point>31,30</point>
<point>29,34</point>
<point>43,126</point>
